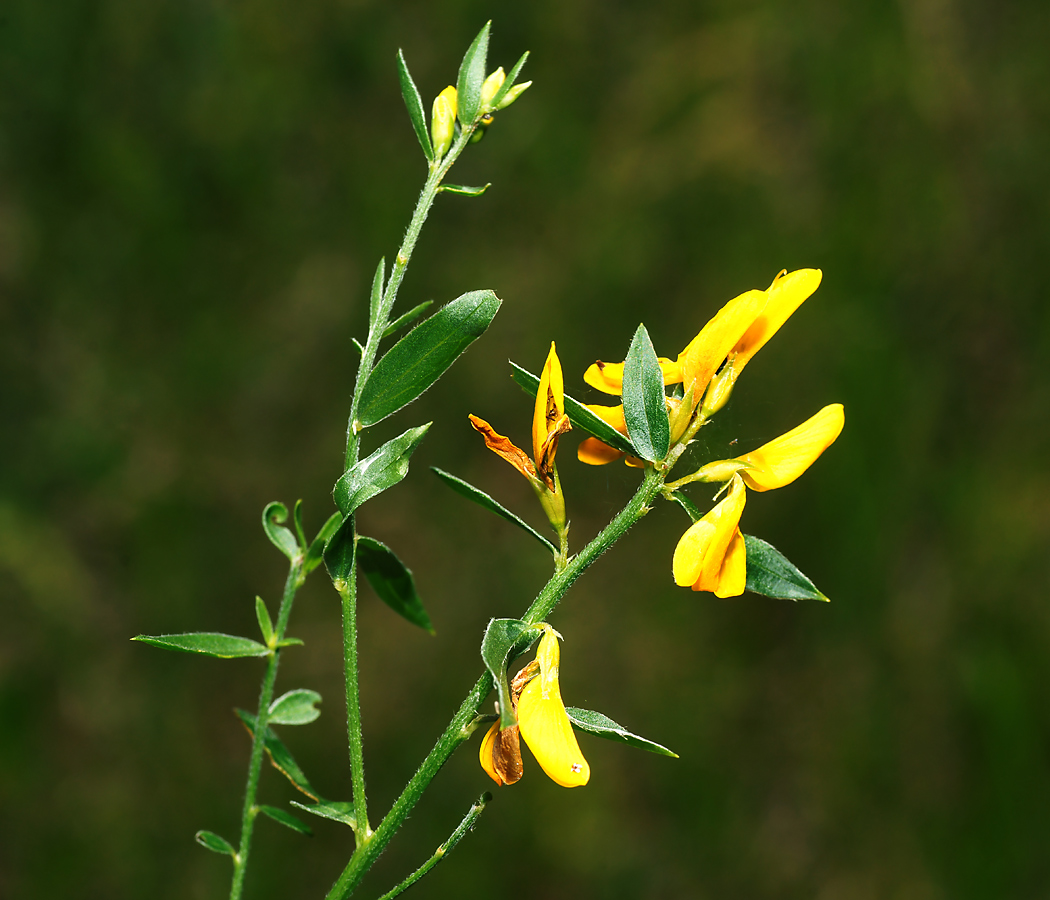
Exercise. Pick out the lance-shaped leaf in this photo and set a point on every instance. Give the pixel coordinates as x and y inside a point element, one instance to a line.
<point>644,406</point>
<point>415,106</point>
<point>272,517</point>
<point>472,76</point>
<point>465,190</point>
<point>208,643</point>
<point>579,415</point>
<point>215,843</point>
<point>595,723</point>
<point>282,759</point>
<point>339,554</point>
<point>770,573</point>
<point>376,296</point>
<point>392,580</point>
<point>265,622</point>
<point>688,505</point>
<point>336,810</point>
<point>286,819</point>
<point>423,355</point>
<point>502,637</point>
<point>377,472</point>
<point>508,82</point>
<point>483,500</point>
<point>316,551</point>
<point>298,707</point>
<point>408,318</point>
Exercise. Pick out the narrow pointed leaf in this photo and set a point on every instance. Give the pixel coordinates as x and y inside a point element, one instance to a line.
<point>770,573</point>
<point>688,505</point>
<point>375,473</point>
<point>297,518</point>
<point>401,321</point>
<point>265,622</point>
<point>272,518</point>
<point>208,643</point>
<point>336,810</point>
<point>415,106</point>
<point>483,500</point>
<point>423,355</point>
<point>392,580</point>
<point>465,190</point>
<point>281,758</point>
<point>215,843</point>
<point>595,723</point>
<point>644,407</point>
<point>298,707</point>
<point>508,82</point>
<point>472,76</point>
<point>316,552</point>
<point>502,637</point>
<point>579,415</point>
<point>339,556</point>
<point>286,819</point>
<point>376,296</point>
<point>289,642</point>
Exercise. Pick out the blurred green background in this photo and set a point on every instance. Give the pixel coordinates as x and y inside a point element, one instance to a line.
<point>193,197</point>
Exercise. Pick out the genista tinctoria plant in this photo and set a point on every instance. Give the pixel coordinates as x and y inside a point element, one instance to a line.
<point>663,405</point>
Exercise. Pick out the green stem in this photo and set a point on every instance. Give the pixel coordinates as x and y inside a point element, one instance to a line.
<point>240,862</point>
<point>459,729</point>
<point>348,595</point>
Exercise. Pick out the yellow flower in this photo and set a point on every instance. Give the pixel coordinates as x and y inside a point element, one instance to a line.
<point>710,556</point>
<point>549,422</point>
<point>782,460</point>
<point>734,335</point>
<point>443,120</point>
<point>542,722</point>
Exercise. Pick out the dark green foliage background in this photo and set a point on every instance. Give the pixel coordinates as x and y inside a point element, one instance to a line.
<point>193,198</point>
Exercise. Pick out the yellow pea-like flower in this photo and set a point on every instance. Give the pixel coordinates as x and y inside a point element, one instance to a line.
<point>443,120</point>
<point>710,556</point>
<point>544,724</point>
<point>783,459</point>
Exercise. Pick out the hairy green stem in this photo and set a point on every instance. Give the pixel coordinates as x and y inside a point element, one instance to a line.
<point>459,730</point>
<point>348,595</point>
<point>240,861</point>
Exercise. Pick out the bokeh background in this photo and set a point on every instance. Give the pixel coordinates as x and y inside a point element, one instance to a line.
<point>193,197</point>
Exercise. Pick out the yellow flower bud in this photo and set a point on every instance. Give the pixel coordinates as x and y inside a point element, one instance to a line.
<point>443,121</point>
<point>513,94</point>
<point>491,87</point>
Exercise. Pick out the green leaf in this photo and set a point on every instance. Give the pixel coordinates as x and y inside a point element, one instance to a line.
<point>210,643</point>
<point>297,518</point>
<point>423,355</point>
<point>392,580</point>
<point>286,819</point>
<point>375,473</point>
<point>770,573</point>
<point>401,321</point>
<point>502,637</point>
<point>215,843</point>
<point>281,758</point>
<point>272,517</point>
<point>289,642</point>
<point>579,415</point>
<point>265,622</point>
<point>336,810</point>
<point>296,707</point>
<point>688,505</point>
<point>483,500</point>
<point>508,82</point>
<point>339,553</point>
<point>465,190</point>
<point>644,406</point>
<point>472,76</point>
<point>376,296</point>
<point>315,554</point>
<point>415,106</point>
<point>595,723</point>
